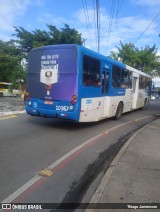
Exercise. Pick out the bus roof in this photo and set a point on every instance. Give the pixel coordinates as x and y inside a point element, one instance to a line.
<point>92,53</point>
<point>137,71</point>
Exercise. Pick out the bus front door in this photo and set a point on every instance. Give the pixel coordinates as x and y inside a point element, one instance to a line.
<point>135,91</point>
<point>105,87</point>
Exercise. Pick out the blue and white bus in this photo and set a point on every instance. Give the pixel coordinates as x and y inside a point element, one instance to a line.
<point>74,83</point>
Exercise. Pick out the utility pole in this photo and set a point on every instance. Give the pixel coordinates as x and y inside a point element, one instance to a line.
<point>83,41</point>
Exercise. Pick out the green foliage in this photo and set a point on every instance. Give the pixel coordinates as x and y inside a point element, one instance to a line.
<point>10,58</point>
<point>37,38</point>
<point>145,59</point>
<point>12,52</point>
<point>18,77</point>
<point>25,39</point>
<point>114,55</point>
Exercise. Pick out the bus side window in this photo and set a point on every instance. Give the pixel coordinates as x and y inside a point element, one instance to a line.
<point>142,82</point>
<point>105,82</point>
<point>91,71</point>
<point>134,84</point>
<point>124,78</point>
<point>130,79</point>
<point>116,77</point>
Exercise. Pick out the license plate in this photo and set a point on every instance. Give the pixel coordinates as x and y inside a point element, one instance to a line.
<point>48,102</point>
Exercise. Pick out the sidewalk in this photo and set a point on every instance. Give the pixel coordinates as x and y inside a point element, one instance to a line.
<point>11,105</point>
<point>134,175</point>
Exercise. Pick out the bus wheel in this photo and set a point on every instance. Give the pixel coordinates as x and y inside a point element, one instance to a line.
<point>119,111</point>
<point>145,104</point>
<point>1,94</point>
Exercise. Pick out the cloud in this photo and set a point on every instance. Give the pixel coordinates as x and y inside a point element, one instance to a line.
<point>48,18</point>
<point>147,2</point>
<point>10,10</point>
<point>127,29</point>
<point>86,24</point>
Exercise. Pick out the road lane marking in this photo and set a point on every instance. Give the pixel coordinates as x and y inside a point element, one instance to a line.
<point>32,184</point>
<point>60,161</point>
<point>7,117</point>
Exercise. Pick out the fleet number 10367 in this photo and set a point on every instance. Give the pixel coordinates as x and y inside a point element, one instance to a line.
<point>62,108</point>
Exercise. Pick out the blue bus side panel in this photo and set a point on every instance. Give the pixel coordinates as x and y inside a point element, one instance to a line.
<point>106,65</point>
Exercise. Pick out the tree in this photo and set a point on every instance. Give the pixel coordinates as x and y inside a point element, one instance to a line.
<point>113,55</point>
<point>12,52</point>
<point>10,58</point>
<point>145,59</point>
<point>69,35</point>
<point>28,40</point>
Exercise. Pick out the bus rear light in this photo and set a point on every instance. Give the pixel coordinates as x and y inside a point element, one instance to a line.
<point>27,96</point>
<point>74,97</point>
<point>73,102</point>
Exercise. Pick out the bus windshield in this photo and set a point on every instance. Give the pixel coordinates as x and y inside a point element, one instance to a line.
<point>52,73</point>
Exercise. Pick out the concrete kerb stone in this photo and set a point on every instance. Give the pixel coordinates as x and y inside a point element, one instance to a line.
<point>100,190</point>
<point>11,113</point>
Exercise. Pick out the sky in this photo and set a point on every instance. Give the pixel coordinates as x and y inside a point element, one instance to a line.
<point>131,21</point>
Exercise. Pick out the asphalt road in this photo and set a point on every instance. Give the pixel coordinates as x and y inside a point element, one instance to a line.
<point>78,155</point>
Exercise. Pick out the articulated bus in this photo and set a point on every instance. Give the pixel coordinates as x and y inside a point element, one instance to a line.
<point>74,83</point>
<point>5,90</point>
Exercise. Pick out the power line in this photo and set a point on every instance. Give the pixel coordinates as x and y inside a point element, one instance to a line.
<point>88,21</point>
<point>147,26</point>
<point>84,3</point>
<point>98,23</point>
<point>111,19</point>
<point>94,9</point>
<point>85,15</point>
<point>119,7</point>
<point>117,14</point>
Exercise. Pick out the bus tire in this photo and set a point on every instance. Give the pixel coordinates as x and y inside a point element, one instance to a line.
<point>145,104</point>
<point>119,111</point>
<point>1,94</point>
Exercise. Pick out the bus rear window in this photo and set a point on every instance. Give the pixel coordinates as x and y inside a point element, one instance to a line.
<point>91,71</point>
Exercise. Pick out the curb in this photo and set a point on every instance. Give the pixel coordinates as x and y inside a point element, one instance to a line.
<point>11,113</point>
<point>100,190</point>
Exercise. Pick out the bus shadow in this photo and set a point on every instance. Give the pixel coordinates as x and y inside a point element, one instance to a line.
<point>64,124</point>
<point>69,125</point>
